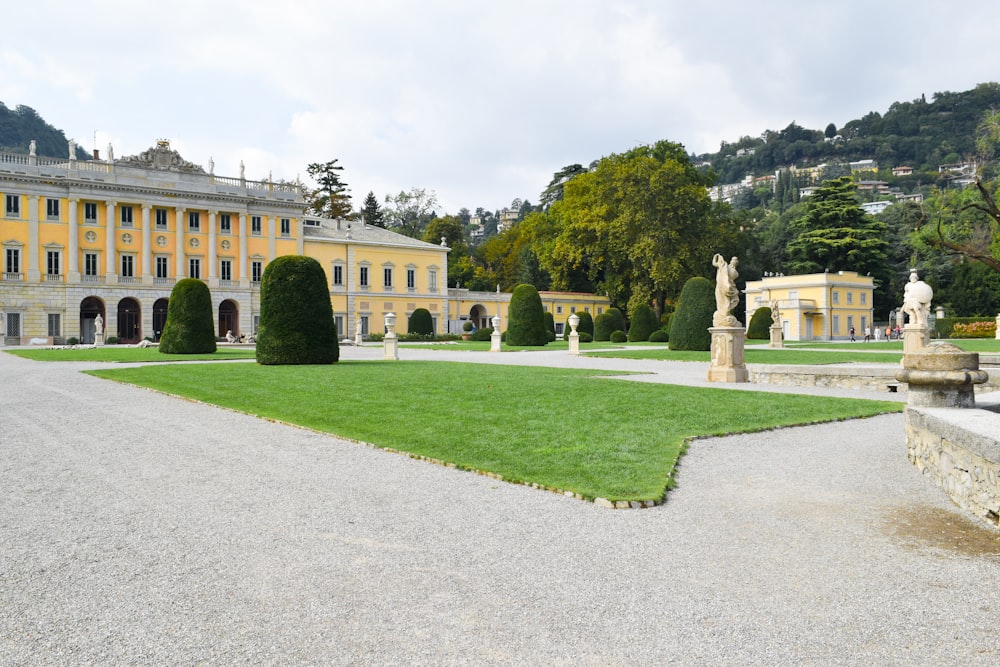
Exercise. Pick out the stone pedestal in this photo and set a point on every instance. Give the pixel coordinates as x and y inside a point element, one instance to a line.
<point>391,347</point>
<point>99,338</point>
<point>495,341</point>
<point>358,336</point>
<point>915,338</point>
<point>574,343</point>
<point>941,375</point>
<point>727,355</point>
<point>777,340</point>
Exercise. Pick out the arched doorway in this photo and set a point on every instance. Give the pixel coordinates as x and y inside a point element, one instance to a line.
<point>229,318</point>
<point>478,315</point>
<point>90,308</point>
<point>129,321</point>
<point>159,317</point>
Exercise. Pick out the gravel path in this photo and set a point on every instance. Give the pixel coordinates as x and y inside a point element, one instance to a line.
<point>142,529</point>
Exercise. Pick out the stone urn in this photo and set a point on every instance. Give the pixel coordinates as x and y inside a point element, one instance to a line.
<point>941,375</point>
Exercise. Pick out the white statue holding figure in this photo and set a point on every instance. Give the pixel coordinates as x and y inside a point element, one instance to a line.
<point>727,295</point>
<point>775,314</point>
<point>917,297</point>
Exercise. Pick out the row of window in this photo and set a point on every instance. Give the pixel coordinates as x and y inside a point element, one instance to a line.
<point>364,277</point>
<point>863,297</point>
<point>126,217</point>
<point>835,324</point>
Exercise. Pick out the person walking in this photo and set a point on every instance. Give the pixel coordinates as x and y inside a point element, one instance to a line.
<point>852,334</point>
<point>868,334</point>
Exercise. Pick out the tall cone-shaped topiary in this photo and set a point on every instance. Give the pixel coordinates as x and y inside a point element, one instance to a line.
<point>760,324</point>
<point>690,322</point>
<point>420,322</point>
<point>189,328</point>
<point>296,318</point>
<point>643,323</point>
<point>526,317</point>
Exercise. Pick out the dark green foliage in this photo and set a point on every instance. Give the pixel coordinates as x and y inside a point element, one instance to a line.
<point>618,336</point>
<point>421,322</point>
<point>526,317</point>
<point>690,323</point>
<point>72,340</point>
<point>760,324</point>
<point>20,126</point>
<point>586,325</point>
<point>189,328</point>
<point>550,324</point>
<point>643,323</point>
<point>604,325</point>
<point>486,333</point>
<point>296,318</point>
<point>586,338</point>
<point>659,336</point>
<point>619,318</point>
<point>113,340</point>
<point>468,326</point>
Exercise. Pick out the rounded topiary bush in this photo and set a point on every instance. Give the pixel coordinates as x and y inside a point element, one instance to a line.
<point>760,324</point>
<point>296,318</point>
<point>618,336</point>
<point>604,325</point>
<point>586,338</point>
<point>420,323</point>
<point>619,318</point>
<point>659,336</point>
<point>643,323</point>
<point>189,328</point>
<point>693,316</point>
<point>526,317</point>
<point>550,325</point>
<point>486,333</point>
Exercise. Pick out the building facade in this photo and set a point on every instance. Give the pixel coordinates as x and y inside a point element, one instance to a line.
<point>816,306</point>
<point>82,238</point>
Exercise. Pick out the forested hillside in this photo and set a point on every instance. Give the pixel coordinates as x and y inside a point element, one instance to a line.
<point>917,134</point>
<point>22,124</point>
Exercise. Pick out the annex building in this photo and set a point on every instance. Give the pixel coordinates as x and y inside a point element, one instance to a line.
<point>816,306</point>
<point>82,238</point>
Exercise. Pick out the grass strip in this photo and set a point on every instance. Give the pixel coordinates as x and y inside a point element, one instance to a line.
<point>559,428</point>
<point>755,356</point>
<point>119,354</point>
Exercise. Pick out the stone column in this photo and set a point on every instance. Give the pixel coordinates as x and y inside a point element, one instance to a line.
<point>213,281</point>
<point>358,336</point>
<point>915,337</point>
<point>272,239</point>
<point>32,255</point>
<point>179,270</point>
<point>727,355</point>
<point>73,263</point>
<point>110,259</point>
<point>244,264</point>
<point>777,340</point>
<point>147,247</point>
<point>941,375</point>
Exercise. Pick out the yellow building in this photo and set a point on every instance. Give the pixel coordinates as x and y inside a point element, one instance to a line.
<point>816,306</point>
<point>111,237</point>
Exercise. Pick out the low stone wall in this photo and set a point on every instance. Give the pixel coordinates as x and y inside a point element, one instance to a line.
<point>845,376</point>
<point>959,449</point>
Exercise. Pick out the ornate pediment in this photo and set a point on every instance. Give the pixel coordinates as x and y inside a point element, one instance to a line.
<point>162,157</point>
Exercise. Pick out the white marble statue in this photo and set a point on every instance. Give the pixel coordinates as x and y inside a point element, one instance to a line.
<point>775,314</point>
<point>31,148</point>
<point>243,170</point>
<point>72,149</point>
<point>917,297</point>
<point>98,325</point>
<point>727,295</point>
<point>111,152</point>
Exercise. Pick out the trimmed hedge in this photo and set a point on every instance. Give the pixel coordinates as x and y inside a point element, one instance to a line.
<point>296,318</point>
<point>659,336</point>
<point>618,336</point>
<point>760,324</point>
<point>607,323</point>
<point>526,318</point>
<point>944,326</point>
<point>643,323</point>
<point>550,325</point>
<point>420,322</point>
<point>190,328</point>
<point>690,323</point>
<point>486,333</point>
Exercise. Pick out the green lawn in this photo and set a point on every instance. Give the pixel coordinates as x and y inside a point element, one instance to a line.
<point>562,429</point>
<point>123,354</point>
<point>761,356</point>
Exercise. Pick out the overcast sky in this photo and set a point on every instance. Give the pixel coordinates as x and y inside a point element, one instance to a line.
<point>479,102</point>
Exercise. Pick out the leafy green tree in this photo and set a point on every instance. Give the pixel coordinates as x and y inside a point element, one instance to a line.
<point>638,223</point>
<point>554,190</point>
<point>189,328</point>
<point>643,322</point>
<point>420,322</point>
<point>296,317</point>
<point>371,212</point>
<point>835,234</point>
<point>331,199</point>
<point>526,317</point>
<point>410,212</point>
<point>690,322</point>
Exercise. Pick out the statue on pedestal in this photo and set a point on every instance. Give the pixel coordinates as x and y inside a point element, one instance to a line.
<point>917,297</point>
<point>727,295</point>
<point>775,314</point>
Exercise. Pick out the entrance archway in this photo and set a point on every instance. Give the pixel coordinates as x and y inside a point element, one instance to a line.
<point>229,318</point>
<point>159,317</point>
<point>129,321</point>
<point>90,308</point>
<point>478,315</point>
